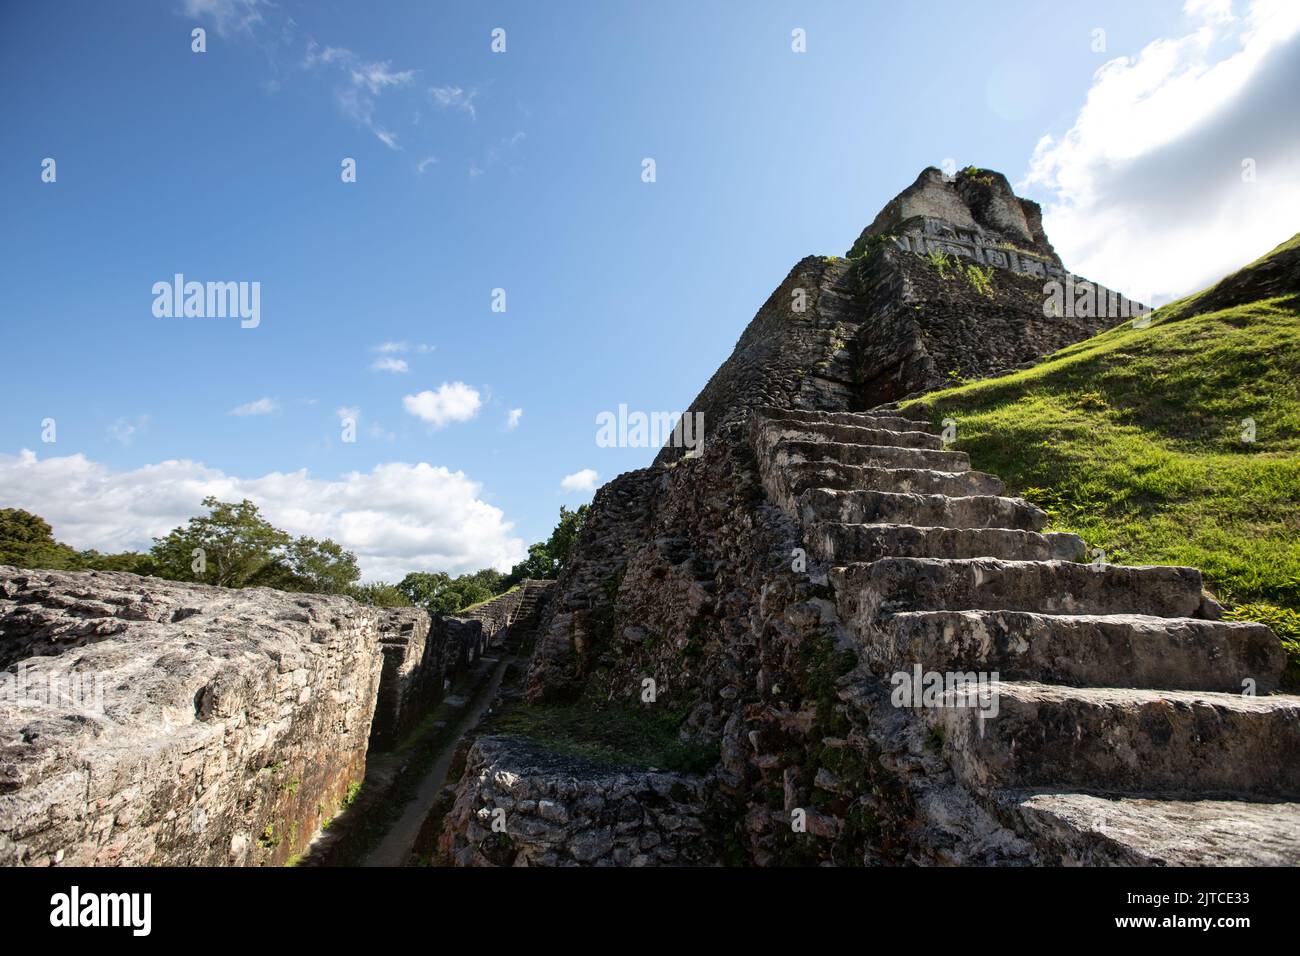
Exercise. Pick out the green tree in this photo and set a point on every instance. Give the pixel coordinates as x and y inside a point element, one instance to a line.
<point>239,548</point>
<point>27,541</point>
<point>565,535</point>
<point>547,558</point>
<point>132,561</point>
<point>323,567</point>
<point>379,594</point>
<point>440,593</point>
<point>424,588</point>
<point>231,546</point>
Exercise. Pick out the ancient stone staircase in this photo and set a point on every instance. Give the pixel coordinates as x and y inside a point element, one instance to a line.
<point>1126,730</point>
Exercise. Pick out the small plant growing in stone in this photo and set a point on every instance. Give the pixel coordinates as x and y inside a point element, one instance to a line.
<point>981,280</point>
<point>934,739</point>
<point>268,840</point>
<point>940,262</point>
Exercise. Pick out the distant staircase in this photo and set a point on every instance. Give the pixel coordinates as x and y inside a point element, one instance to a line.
<point>1126,729</point>
<point>523,618</point>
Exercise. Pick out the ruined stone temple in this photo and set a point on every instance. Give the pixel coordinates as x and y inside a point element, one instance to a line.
<point>772,588</point>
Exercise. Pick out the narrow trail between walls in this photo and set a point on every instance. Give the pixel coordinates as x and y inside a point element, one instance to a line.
<point>396,847</point>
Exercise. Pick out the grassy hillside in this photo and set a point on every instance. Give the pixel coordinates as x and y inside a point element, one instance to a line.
<point>1134,439</point>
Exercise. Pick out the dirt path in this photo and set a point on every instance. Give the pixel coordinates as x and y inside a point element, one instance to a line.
<point>395,848</point>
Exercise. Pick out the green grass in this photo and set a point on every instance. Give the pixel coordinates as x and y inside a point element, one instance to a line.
<point>478,604</point>
<point>1133,440</point>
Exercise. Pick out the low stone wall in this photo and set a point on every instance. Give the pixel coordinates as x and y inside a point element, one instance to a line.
<point>499,613</point>
<point>412,678</point>
<point>193,725</point>
<point>520,805</point>
<point>463,645</point>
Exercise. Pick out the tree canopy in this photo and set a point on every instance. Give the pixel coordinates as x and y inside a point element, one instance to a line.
<point>232,545</point>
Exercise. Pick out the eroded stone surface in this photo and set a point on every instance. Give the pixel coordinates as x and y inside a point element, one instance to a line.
<point>232,721</point>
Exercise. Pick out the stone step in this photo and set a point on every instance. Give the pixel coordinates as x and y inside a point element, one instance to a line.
<point>882,456</point>
<point>1091,650</point>
<point>988,584</point>
<point>1041,736</point>
<point>933,511</point>
<point>1088,829</point>
<point>891,420</point>
<point>839,543</point>
<point>801,476</point>
<point>776,430</point>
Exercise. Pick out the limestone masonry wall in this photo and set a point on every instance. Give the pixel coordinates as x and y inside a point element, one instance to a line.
<point>502,611</point>
<point>231,722</point>
<point>551,810</point>
<point>416,660</point>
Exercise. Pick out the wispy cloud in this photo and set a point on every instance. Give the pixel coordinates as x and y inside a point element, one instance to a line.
<point>124,430</point>
<point>425,163</point>
<point>389,364</point>
<point>227,16</point>
<point>513,417</point>
<point>454,98</point>
<point>380,433</point>
<point>377,76</point>
<point>361,84</point>
<point>452,402</point>
<point>263,406</point>
<point>391,348</point>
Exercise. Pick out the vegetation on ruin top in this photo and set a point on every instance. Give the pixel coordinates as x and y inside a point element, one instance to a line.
<point>1177,443</point>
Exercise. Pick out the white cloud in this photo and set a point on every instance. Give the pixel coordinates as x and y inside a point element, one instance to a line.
<point>263,406</point>
<point>389,364</point>
<point>584,480</point>
<point>1145,190</point>
<point>228,16</point>
<point>380,433</point>
<point>1211,11</point>
<point>453,97</point>
<point>330,54</point>
<point>348,411</point>
<point>387,348</point>
<point>362,84</point>
<point>452,402</point>
<point>425,163</point>
<point>396,518</point>
<point>124,430</point>
<point>376,76</point>
<point>512,418</point>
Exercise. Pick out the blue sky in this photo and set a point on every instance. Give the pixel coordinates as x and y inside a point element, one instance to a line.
<point>521,171</point>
